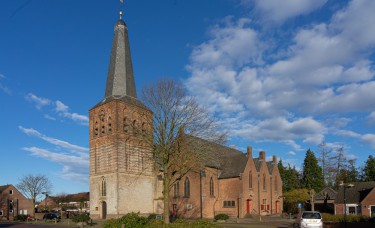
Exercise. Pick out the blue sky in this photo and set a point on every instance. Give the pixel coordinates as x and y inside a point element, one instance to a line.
<point>281,77</point>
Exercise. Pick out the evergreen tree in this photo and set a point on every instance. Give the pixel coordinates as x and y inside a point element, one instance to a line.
<point>312,177</point>
<point>289,176</point>
<point>369,169</point>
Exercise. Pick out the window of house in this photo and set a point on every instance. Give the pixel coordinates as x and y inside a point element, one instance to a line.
<point>351,210</point>
<point>263,206</point>
<point>264,182</point>
<point>275,184</point>
<point>10,192</point>
<point>10,206</point>
<point>176,189</point>
<point>250,179</point>
<point>1,213</point>
<point>212,190</point>
<point>187,188</point>
<point>231,203</point>
<point>104,187</point>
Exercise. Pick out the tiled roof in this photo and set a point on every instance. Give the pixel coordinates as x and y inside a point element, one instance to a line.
<point>258,163</point>
<point>356,193</point>
<point>270,166</point>
<point>2,188</point>
<point>327,192</point>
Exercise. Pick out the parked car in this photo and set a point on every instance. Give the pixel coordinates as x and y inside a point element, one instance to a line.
<point>309,219</point>
<point>50,216</point>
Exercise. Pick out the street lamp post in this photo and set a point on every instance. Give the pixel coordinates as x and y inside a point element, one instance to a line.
<point>345,187</point>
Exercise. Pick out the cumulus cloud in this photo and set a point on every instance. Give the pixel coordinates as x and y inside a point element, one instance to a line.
<point>323,70</point>
<point>369,139</point>
<point>279,11</point>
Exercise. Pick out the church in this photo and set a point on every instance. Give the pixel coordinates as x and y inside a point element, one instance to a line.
<point>123,179</point>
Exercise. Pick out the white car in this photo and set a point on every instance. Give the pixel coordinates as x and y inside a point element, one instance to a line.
<point>310,219</point>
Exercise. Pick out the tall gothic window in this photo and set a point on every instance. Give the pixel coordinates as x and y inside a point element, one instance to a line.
<point>212,190</point>
<point>176,189</point>
<point>264,182</point>
<point>250,179</point>
<point>104,187</point>
<point>187,188</point>
<point>275,184</point>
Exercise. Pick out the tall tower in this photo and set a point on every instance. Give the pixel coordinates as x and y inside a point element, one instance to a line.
<point>121,169</point>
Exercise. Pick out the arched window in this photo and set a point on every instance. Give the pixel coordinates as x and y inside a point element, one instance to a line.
<point>187,188</point>
<point>264,182</point>
<point>104,187</point>
<point>275,184</point>
<point>176,189</point>
<point>212,191</point>
<point>250,179</point>
<point>109,124</point>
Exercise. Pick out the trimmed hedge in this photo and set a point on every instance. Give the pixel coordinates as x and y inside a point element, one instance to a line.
<point>221,217</point>
<point>81,218</point>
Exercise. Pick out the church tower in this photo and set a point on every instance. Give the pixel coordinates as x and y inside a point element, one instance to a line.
<point>122,178</point>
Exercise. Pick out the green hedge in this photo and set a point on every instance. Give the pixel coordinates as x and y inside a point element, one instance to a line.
<point>221,217</point>
<point>134,220</point>
<point>81,218</point>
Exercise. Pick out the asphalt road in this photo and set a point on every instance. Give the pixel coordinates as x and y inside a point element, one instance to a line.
<point>27,225</point>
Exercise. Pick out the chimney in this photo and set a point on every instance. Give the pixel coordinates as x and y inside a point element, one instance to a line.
<point>262,155</point>
<point>274,159</point>
<point>249,152</point>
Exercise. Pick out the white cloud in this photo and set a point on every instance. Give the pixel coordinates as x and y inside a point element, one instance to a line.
<point>291,153</point>
<point>348,133</point>
<point>369,139</point>
<point>322,70</point>
<point>278,11</point>
<point>4,88</point>
<point>371,117</point>
<point>38,101</point>
<point>56,142</point>
<point>75,168</point>
<point>63,110</point>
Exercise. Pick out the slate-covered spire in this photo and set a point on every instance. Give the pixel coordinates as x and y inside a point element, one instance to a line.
<point>120,78</point>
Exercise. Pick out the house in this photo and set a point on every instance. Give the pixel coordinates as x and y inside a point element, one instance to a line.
<point>356,198</point>
<point>78,202</point>
<point>234,183</point>
<point>13,203</point>
<point>325,200</point>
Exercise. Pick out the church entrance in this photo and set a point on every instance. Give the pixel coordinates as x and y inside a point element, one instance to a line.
<point>103,214</point>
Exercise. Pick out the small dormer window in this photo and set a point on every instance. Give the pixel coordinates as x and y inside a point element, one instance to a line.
<point>11,192</point>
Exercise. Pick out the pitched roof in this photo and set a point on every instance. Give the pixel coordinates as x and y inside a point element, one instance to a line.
<point>354,194</point>
<point>258,163</point>
<point>3,187</point>
<point>327,192</point>
<point>270,166</point>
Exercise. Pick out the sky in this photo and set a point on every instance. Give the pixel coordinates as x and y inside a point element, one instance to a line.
<point>280,76</point>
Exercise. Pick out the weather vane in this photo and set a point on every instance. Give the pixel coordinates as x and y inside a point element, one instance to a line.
<point>121,7</point>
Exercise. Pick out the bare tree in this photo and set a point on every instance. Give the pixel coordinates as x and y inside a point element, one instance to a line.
<point>326,163</point>
<point>174,114</point>
<point>32,186</point>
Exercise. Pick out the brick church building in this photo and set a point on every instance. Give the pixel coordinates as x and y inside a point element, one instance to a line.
<point>123,178</point>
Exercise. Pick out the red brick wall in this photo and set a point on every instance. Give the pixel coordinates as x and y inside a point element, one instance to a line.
<point>369,200</point>
<point>16,197</point>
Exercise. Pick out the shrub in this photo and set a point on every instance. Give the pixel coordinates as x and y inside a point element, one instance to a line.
<point>131,220</point>
<point>221,217</point>
<point>151,216</point>
<point>81,218</point>
<point>20,218</point>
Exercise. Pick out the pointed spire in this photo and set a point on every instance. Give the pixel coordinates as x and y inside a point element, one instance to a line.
<point>120,78</point>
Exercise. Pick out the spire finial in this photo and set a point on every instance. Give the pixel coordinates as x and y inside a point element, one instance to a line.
<point>121,6</point>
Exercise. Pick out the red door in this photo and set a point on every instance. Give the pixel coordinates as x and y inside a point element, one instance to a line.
<point>248,206</point>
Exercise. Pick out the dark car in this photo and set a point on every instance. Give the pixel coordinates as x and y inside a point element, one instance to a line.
<point>51,216</point>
